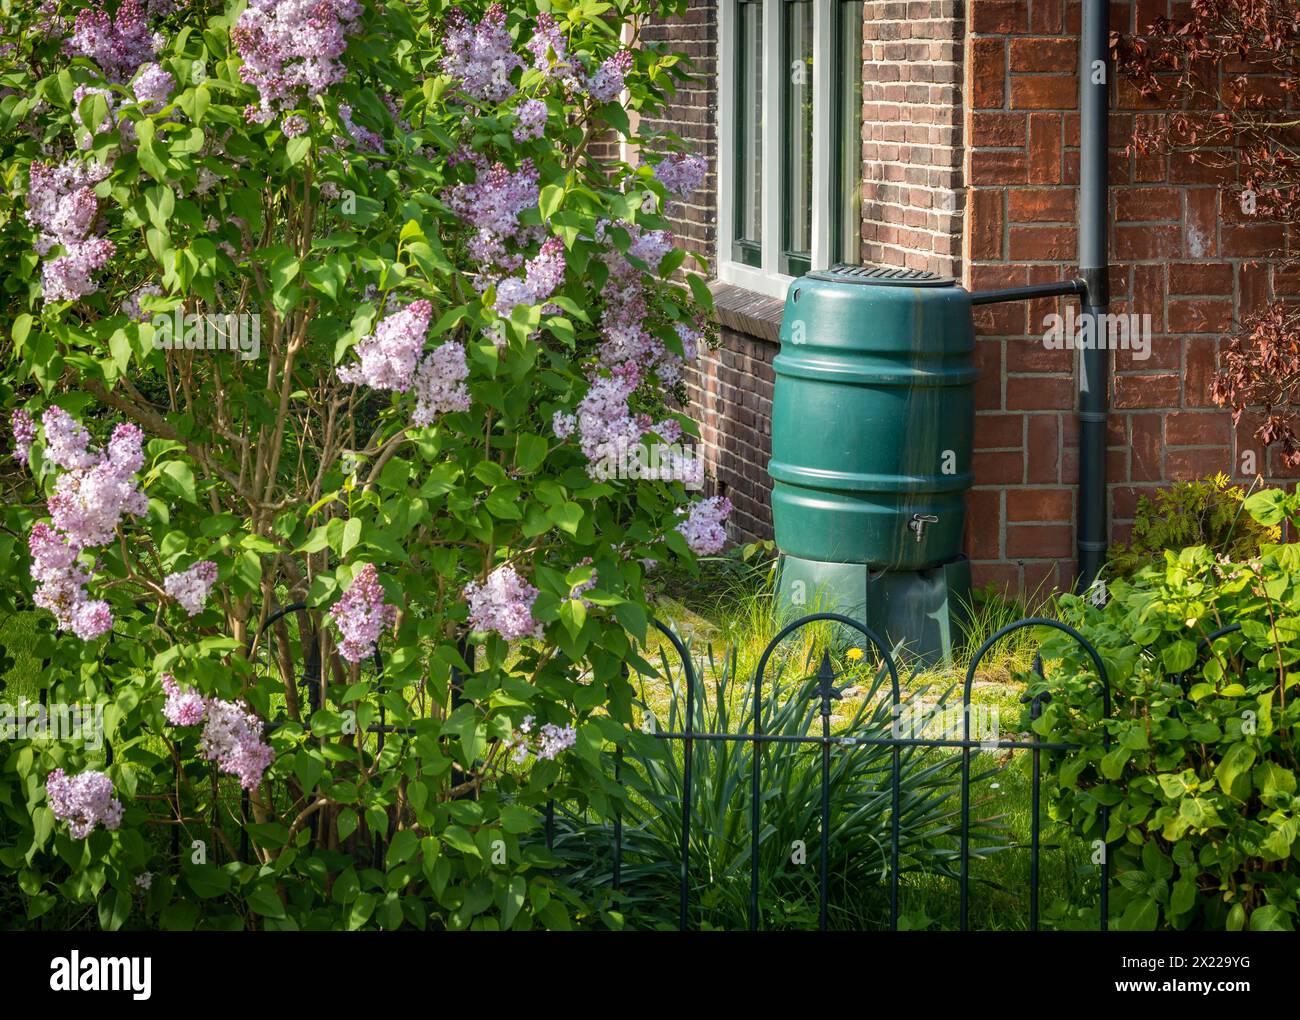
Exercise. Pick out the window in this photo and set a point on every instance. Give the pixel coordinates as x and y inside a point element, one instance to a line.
<point>790,101</point>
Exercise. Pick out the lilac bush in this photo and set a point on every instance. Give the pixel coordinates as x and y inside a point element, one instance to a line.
<point>325,318</point>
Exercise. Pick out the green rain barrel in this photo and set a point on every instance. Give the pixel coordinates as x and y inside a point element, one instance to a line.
<point>872,418</point>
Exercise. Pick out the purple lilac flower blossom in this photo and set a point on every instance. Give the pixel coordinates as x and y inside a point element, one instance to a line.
<point>63,209</point>
<point>532,114</point>
<point>564,424</point>
<point>361,615</point>
<point>153,85</point>
<point>88,503</point>
<point>504,604</point>
<point>291,49</point>
<point>388,357</point>
<point>130,306</point>
<point>439,383</point>
<point>24,428</point>
<point>232,734</point>
<point>232,737</point>
<point>119,44</point>
<point>680,173</point>
<point>543,276</point>
<point>481,56</point>
<point>556,739</point>
<point>360,134</point>
<point>547,45</point>
<point>703,527</point>
<point>90,497</point>
<point>83,801</point>
<point>293,125</point>
<point>605,85</point>
<point>191,587</point>
<point>184,707</point>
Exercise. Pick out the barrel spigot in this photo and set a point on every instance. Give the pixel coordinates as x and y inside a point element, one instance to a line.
<point>918,523</point>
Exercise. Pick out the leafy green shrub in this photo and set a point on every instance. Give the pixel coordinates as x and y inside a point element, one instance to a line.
<point>719,868</point>
<point>1206,511</point>
<point>341,304</point>
<point>1201,772</point>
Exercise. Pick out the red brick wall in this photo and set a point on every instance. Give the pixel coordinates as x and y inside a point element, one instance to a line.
<point>1180,253</point>
<point>692,114</point>
<point>912,134</point>
<point>731,396</point>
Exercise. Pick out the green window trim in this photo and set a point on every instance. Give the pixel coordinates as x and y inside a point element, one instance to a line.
<point>798,52</point>
<point>845,199</point>
<point>747,242</point>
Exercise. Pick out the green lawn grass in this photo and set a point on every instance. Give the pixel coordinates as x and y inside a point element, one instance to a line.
<point>22,680</point>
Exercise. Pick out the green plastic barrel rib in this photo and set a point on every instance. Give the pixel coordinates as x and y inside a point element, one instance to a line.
<point>872,419</point>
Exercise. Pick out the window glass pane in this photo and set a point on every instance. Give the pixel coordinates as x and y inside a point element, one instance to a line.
<point>749,132</point>
<point>847,212</point>
<point>797,110</point>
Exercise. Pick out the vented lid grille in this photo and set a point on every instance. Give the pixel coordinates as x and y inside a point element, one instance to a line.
<point>883,276</point>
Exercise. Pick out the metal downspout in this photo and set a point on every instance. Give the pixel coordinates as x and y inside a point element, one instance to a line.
<point>1094,361</point>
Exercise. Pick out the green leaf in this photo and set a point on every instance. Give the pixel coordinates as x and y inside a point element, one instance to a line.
<point>265,900</point>
<point>1183,896</point>
<point>120,347</point>
<point>514,900</point>
<point>317,539</point>
<point>1112,764</point>
<point>567,516</point>
<point>1142,915</point>
<point>552,198</point>
<point>700,289</point>
<point>1236,763</point>
<point>1179,655</point>
<point>632,615</point>
<point>161,203</point>
<point>530,451</point>
<point>347,823</point>
<point>503,503</point>
<point>297,148</point>
<point>1268,506</point>
<point>573,614</point>
<point>179,477</point>
<point>151,157</point>
<point>403,847</point>
<point>459,839</point>
<point>351,536</point>
<point>1269,918</point>
<point>22,327</point>
<point>115,907</point>
<point>206,880</point>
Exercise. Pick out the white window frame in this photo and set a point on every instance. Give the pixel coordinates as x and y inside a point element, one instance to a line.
<point>769,279</point>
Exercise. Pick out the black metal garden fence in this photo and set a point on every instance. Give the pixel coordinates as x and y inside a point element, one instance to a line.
<point>830,743</point>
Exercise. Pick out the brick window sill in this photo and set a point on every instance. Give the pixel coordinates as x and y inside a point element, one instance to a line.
<point>747,311</point>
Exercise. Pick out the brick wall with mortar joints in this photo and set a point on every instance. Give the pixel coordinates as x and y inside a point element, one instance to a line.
<point>1180,252</point>
<point>912,142</point>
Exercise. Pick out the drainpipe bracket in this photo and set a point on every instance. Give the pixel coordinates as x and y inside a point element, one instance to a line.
<point>1096,285</point>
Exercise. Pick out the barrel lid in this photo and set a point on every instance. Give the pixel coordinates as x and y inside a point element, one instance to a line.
<point>882,276</point>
